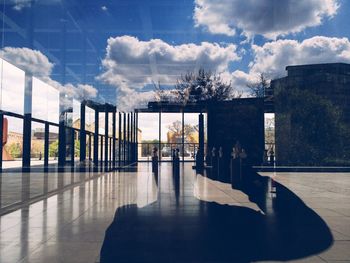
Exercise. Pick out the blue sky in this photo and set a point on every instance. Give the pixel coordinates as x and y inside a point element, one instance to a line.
<point>157,40</point>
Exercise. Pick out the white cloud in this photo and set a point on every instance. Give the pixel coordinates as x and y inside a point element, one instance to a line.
<point>29,60</point>
<point>273,57</point>
<point>129,98</point>
<point>129,60</point>
<point>264,17</point>
<point>130,64</point>
<point>36,63</point>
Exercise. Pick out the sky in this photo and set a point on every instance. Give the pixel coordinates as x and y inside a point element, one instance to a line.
<point>115,50</point>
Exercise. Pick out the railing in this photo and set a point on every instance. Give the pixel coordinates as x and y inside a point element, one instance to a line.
<point>187,151</point>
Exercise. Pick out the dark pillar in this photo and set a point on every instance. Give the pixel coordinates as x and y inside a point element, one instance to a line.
<point>62,133</point>
<point>46,147</point>
<point>72,149</point>
<point>114,138</point>
<point>95,160</point>
<point>90,144</point>
<point>128,139</point>
<point>27,122</point>
<point>183,136</point>
<point>200,157</point>
<point>82,133</point>
<point>131,137</point>
<point>119,139</point>
<point>106,139</point>
<point>102,152</point>
<point>124,138</point>
<point>160,136</point>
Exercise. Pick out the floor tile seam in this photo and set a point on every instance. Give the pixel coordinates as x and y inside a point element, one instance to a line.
<point>32,252</point>
<point>337,212</point>
<point>322,259</point>
<point>41,243</point>
<point>320,189</point>
<point>58,192</point>
<point>346,240</point>
<point>313,195</point>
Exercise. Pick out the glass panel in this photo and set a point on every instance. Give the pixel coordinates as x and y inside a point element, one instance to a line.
<point>12,88</point>
<point>89,119</point>
<point>100,143</point>
<point>110,124</point>
<point>45,104</point>
<point>11,187</point>
<point>76,146</point>
<point>53,144</point>
<point>88,146</point>
<point>13,146</point>
<point>37,151</point>
<point>117,126</point>
<point>270,131</point>
<point>76,114</point>
<point>53,100</point>
<point>69,144</point>
<point>191,135</point>
<point>148,134</point>
<point>101,123</point>
<point>40,103</point>
<point>171,133</point>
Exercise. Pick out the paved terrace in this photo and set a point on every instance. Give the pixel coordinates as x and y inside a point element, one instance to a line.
<point>134,216</point>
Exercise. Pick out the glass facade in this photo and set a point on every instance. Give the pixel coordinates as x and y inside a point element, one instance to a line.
<point>55,124</point>
<point>12,87</point>
<point>168,132</point>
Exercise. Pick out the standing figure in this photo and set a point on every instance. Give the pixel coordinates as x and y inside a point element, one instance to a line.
<point>155,160</point>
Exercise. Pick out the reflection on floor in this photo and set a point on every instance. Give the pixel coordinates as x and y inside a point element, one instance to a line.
<point>137,217</point>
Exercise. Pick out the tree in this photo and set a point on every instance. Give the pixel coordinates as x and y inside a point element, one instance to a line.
<point>189,130</point>
<point>198,87</point>
<point>203,86</point>
<point>258,88</point>
<point>53,149</point>
<point>163,94</point>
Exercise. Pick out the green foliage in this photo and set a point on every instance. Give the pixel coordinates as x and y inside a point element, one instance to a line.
<point>53,149</point>
<point>15,150</point>
<point>77,148</point>
<point>317,130</point>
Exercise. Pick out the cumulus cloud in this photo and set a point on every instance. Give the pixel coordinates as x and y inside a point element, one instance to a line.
<point>29,60</point>
<point>80,92</point>
<point>129,99</point>
<point>129,60</point>
<point>36,63</point>
<point>264,17</point>
<point>130,64</point>
<point>273,57</point>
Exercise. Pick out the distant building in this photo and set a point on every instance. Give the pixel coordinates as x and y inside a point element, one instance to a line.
<point>329,82</point>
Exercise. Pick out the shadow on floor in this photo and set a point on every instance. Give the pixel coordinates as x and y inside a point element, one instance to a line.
<point>180,228</point>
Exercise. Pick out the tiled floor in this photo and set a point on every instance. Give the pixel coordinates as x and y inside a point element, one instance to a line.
<point>184,219</point>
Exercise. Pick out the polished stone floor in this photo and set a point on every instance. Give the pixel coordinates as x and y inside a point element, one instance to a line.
<point>134,216</point>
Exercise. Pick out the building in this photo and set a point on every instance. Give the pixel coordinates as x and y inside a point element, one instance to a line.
<point>324,90</point>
